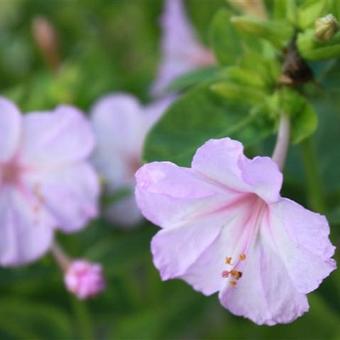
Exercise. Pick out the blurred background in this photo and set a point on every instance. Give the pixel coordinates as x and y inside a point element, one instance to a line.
<point>107,46</point>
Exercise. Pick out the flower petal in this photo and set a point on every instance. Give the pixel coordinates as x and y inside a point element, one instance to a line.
<point>10,129</point>
<point>223,161</point>
<point>119,128</point>
<point>57,138</point>
<point>26,232</point>
<point>302,240</point>
<point>264,293</point>
<point>181,51</point>
<point>70,194</point>
<point>168,195</point>
<point>176,249</point>
<point>264,177</point>
<point>205,272</point>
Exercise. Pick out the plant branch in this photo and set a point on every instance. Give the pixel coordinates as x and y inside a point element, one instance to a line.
<point>282,141</point>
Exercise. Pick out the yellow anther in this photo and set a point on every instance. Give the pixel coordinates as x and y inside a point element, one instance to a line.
<point>228,260</point>
<point>236,274</point>
<point>242,257</point>
<point>233,283</point>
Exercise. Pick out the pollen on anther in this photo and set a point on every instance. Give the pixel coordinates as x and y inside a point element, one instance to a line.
<point>242,257</point>
<point>225,274</point>
<point>233,283</point>
<point>236,274</point>
<point>228,260</point>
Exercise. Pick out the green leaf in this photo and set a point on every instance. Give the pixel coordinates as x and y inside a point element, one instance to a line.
<point>225,40</point>
<point>190,79</point>
<point>309,11</point>
<point>196,117</point>
<point>30,319</point>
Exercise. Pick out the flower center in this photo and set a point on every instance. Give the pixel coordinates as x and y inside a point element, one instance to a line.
<point>234,275</point>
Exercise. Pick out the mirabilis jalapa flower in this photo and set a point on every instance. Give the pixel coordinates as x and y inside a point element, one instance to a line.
<point>46,182</point>
<point>181,50</point>
<point>226,229</point>
<point>120,124</point>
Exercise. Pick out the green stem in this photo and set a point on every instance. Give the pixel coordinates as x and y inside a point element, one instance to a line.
<point>313,179</point>
<point>83,319</point>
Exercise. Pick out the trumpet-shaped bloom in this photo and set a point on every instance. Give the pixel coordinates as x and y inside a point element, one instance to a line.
<point>181,50</point>
<point>226,229</point>
<point>120,124</point>
<point>84,279</point>
<point>45,181</point>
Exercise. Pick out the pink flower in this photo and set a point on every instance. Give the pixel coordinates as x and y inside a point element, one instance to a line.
<point>181,51</point>
<point>84,279</point>
<point>120,124</point>
<point>45,181</point>
<point>226,229</point>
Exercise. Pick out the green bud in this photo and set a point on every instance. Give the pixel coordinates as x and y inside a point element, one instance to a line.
<point>313,49</point>
<point>275,31</point>
<point>326,27</point>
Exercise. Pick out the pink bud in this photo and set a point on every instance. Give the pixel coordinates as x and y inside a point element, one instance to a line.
<point>84,279</point>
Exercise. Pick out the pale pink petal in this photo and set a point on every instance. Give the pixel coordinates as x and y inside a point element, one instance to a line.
<point>301,237</point>
<point>174,250</point>
<point>263,176</point>
<point>223,161</point>
<point>196,251</point>
<point>181,51</point>
<point>26,229</point>
<point>55,139</point>
<point>168,195</point>
<point>124,213</point>
<point>119,128</point>
<point>10,129</point>
<point>70,194</point>
<point>265,293</point>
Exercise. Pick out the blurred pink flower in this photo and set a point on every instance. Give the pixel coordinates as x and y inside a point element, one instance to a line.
<point>84,279</point>
<point>120,124</point>
<point>181,51</point>
<point>45,181</point>
<point>226,229</point>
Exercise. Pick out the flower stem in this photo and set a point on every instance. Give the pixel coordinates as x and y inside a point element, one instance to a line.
<point>313,180</point>
<point>61,258</point>
<point>282,141</point>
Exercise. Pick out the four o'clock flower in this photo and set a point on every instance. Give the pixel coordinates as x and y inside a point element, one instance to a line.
<point>46,182</point>
<point>181,50</point>
<point>120,124</point>
<point>226,229</point>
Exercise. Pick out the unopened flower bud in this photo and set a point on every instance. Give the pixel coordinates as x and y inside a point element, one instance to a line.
<point>46,39</point>
<point>84,279</point>
<point>326,27</point>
